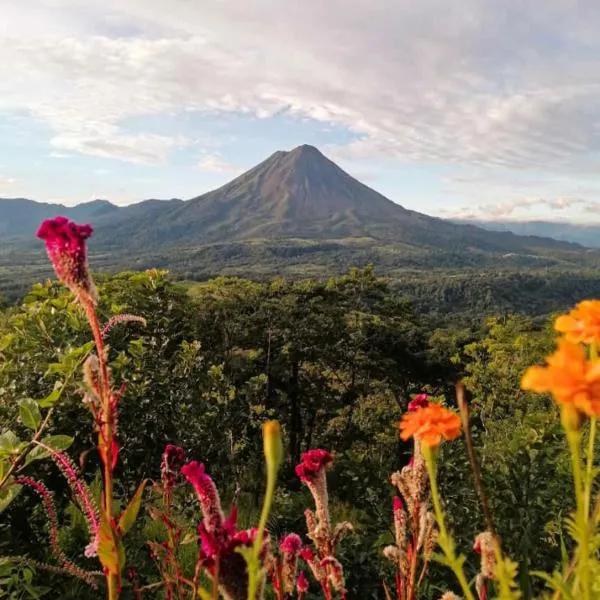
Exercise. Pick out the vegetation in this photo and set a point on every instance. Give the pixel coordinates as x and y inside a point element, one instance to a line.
<point>337,362</point>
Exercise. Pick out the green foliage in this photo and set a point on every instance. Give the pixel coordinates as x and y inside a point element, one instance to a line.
<point>336,361</point>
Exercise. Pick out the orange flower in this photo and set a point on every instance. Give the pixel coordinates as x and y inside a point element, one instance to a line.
<point>430,424</point>
<point>582,324</point>
<point>572,379</point>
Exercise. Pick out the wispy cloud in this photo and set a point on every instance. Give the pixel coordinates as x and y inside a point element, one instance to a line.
<point>7,181</point>
<point>507,210</point>
<point>215,164</point>
<point>472,82</point>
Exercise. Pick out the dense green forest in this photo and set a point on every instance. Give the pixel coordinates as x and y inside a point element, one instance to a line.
<point>336,361</point>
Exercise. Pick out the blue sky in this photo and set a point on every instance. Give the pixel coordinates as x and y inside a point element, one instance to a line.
<point>471,108</point>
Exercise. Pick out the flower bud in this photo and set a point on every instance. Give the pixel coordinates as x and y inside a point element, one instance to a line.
<point>272,444</point>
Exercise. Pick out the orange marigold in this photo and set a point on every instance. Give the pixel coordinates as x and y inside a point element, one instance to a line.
<point>582,324</point>
<point>430,424</point>
<point>570,377</point>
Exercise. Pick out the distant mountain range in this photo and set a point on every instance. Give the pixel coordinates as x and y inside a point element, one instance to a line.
<point>295,207</point>
<point>578,233</point>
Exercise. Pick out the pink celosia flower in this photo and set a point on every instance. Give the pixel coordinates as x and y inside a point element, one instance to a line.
<point>399,522</point>
<point>302,583</point>
<point>485,546</point>
<point>312,462</point>
<point>290,547</point>
<point>50,509</point>
<point>311,471</point>
<point>307,554</point>
<point>219,538</point>
<point>398,504</point>
<point>419,401</point>
<point>170,466</point>
<point>291,544</point>
<point>66,248</point>
<point>207,493</point>
<point>335,573</point>
<point>82,494</point>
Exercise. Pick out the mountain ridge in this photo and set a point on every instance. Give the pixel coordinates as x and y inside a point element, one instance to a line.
<point>585,234</point>
<point>295,194</point>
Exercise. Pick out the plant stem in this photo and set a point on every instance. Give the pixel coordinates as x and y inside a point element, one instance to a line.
<point>444,540</point>
<point>475,470</point>
<point>574,439</point>
<point>589,466</point>
<point>106,432</point>
<point>254,576</point>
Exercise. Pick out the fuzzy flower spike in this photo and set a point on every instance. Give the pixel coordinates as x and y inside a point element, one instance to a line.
<point>219,537</point>
<point>66,248</point>
<point>324,566</point>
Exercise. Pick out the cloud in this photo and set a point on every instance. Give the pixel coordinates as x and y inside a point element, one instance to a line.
<point>472,82</point>
<point>506,210</point>
<point>7,181</point>
<point>215,164</point>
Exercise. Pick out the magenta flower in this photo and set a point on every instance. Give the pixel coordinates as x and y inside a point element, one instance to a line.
<point>82,494</point>
<point>219,537</point>
<point>307,554</point>
<point>291,544</point>
<point>66,563</point>
<point>170,466</point>
<point>312,463</point>
<point>398,504</point>
<point>66,248</point>
<point>290,547</point>
<point>207,493</point>
<point>419,401</point>
<point>302,583</point>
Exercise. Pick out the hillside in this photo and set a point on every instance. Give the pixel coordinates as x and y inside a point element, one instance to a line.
<point>296,194</point>
<point>295,214</point>
<point>578,233</point>
<point>20,217</point>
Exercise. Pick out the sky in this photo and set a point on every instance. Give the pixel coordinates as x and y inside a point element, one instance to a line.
<point>484,109</point>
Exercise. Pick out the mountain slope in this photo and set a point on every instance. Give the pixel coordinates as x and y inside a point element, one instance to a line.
<point>586,235</point>
<point>298,195</point>
<point>20,217</point>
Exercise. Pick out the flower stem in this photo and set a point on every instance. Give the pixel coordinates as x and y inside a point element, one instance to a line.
<point>106,433</point>
<point>589,467</point>
<point>574,439</point>
<point>254,574</point>
<point>444,540</point>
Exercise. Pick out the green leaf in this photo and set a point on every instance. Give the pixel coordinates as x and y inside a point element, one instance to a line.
<point>129,515</point>
<point>107,546</point>
<point>9,443</point>
<point>56,442</point>
<point>7,495</point>
<point>30,414</point>
<point>51,398</point>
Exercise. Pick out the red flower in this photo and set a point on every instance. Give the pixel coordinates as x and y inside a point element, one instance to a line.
<point>312,462</point>
<point>219,537</point>
<point>307,554</point>
<point>291,544</point>
<point>66,248</point>
<point>207,493</point>
<point>302,583</point>
<point>398,504</point>
<point>419,401</point>
<point>172,461</point>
